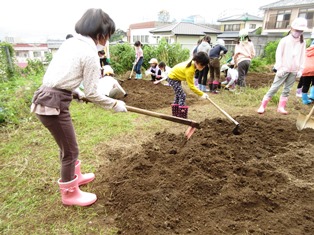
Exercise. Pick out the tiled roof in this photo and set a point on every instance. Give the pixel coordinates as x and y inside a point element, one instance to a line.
<point>185,28</point>
<point>242,17</point>
<point>29,45</point>
<point>287,4</point>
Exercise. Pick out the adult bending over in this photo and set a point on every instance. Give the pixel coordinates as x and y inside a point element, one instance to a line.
<point>75,62</point>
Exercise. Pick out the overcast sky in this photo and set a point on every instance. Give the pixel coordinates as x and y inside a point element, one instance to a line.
<point>40,19</point>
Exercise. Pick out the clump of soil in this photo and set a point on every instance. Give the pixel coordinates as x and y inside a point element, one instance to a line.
<point>259,182</point>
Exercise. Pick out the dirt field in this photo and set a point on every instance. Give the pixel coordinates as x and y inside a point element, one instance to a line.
<point>259,182</point>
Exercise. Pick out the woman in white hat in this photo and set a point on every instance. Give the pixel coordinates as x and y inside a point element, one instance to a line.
<point>290,59</point>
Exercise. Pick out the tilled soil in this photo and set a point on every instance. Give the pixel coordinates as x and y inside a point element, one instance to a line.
<point>259,182</point>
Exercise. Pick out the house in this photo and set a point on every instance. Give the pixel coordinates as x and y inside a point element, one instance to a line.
<point>230,26</point>
<point>277,19</point>
<point>54,44</point>
<point>140,32</point>
<point>185,33</point>
<point>278,16</point>
<point>31,51</point>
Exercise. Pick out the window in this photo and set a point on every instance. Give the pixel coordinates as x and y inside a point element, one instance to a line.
<point>136,38</point>
<point>141,38</point>
<point>232,27</point>
<point>280,20</point>
<point>146,38</point>
<point>252,26</point>
<point>283,19</point>
<point>309,15</point>
<point>36,53</point>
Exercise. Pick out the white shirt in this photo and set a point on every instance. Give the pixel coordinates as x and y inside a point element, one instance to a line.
<point>77,62</point>
<point>233,74</point>
<point>106,84</point>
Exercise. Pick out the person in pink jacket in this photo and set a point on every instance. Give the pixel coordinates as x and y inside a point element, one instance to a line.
<point>290,58</point>
<point>243,54</point>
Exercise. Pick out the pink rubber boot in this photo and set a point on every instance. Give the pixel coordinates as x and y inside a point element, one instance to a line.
<point>262,108</point>
<point>83,178</point>
<point>282,104</point>
<point>73,196</point>
<point>175,110</point>
<point>183,111</point>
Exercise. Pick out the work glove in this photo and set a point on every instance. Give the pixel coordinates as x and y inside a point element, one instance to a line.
<point>79,93</point>
<point>205,96</point>
<point>280,73</point>
<point>299,74</point>
<point>119,106</point>
<point>134,63</point>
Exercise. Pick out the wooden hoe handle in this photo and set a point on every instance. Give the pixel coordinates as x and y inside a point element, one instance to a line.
<point>164,116</point>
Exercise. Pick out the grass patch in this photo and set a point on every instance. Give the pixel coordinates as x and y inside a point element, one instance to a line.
<point>29,168</point>
<point>29,164</point>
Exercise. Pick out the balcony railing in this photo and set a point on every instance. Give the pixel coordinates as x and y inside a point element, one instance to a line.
<point>277,24</point>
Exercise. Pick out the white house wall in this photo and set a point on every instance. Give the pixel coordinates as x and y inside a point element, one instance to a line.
<point>294,14</point>
<point>25,53</point>
<point>143,32</point>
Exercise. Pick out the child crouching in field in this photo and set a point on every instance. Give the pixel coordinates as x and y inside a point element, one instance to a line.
<point>231,76</point>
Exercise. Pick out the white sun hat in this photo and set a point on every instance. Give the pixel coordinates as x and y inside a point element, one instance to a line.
<point>299,24</point>
<point>153,61</point>
<point>108,70</point>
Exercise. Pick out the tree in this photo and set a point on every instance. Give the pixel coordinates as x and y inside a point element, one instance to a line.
<point>118,35</point>
<point>163,16</point>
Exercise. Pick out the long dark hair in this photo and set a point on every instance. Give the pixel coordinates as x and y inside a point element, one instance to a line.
<point>137,44</point>
<point>94,23</point>
<point>246,37</point>
<point>301,36</point>
<point>200,57</point>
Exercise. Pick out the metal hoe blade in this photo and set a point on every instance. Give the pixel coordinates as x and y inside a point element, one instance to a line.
<point>188,133</point>
<point>305,121</point>
<point>237,130</point>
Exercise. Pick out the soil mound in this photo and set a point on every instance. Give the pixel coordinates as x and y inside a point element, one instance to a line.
<point>259,182</point>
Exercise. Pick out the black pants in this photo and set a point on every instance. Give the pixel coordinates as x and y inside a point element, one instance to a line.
<point>202,76</point>
<point>305,83</point>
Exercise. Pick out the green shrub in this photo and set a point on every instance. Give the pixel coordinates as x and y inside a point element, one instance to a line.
<point>171,54</point>
<point>6,61</point>
<point>15,98</point>
<point>270,52</point>
<point>33,67</point>
<point>122,56</point>
<point>258,65</point>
